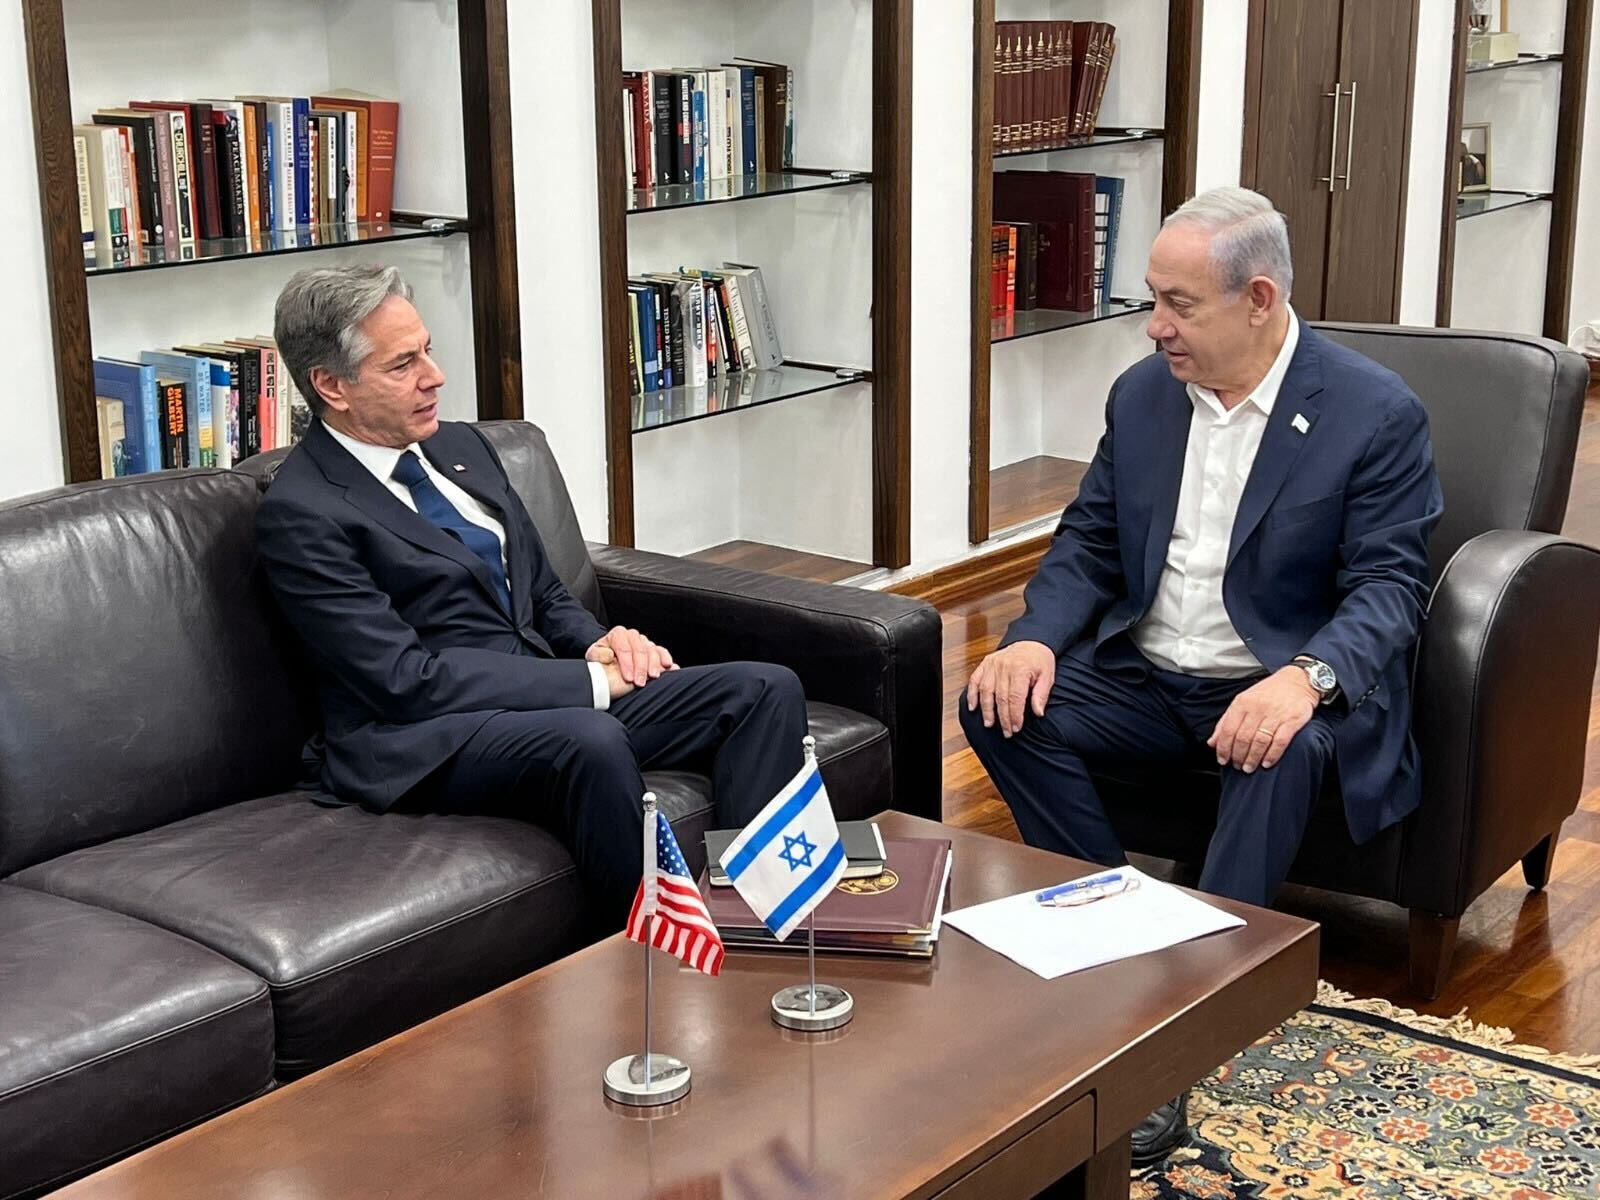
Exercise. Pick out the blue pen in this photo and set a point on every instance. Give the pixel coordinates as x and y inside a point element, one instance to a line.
<point>1078,885</point>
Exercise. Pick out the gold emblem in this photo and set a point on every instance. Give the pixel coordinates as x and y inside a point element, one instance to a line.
<point>874,885</point>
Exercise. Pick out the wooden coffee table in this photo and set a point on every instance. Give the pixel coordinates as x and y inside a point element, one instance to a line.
<point>966,1076</point>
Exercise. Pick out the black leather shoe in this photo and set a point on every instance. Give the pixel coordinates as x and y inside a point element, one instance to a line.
<point>1162,1132</point>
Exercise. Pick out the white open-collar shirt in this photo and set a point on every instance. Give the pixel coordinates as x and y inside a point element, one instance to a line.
<point>1187,628</point>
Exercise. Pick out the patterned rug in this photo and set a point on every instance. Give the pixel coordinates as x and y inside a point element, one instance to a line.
<point>1359,1100</point>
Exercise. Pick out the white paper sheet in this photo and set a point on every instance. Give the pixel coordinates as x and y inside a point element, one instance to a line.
<point>1052,942</point>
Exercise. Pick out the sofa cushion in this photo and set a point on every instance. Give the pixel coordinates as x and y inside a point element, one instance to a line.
<point>361,924</point>
<point>145,674</point>
<point>852,748</point>
<point>113,1033</point>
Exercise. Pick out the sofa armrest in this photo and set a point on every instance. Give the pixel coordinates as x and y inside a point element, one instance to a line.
<point>1505,668</point>
<point>874,652</point>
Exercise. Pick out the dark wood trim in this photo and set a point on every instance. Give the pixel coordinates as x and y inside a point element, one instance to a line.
<point>1569,161</point>
<point>891,282</point>
<point>982,219</point>
<point>491,207</point>
<point>979,575</point>
<point>613,266</point>
<point>1405,164</point>
<point>1444,297</point>
<point>1254,54</point>
<point>67,285</point>
<point>1182,121</point>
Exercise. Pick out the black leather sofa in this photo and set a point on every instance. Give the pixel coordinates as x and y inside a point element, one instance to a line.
<point>182,927</point>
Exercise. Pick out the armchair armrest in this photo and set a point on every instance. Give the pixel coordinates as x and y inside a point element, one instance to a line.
<point>1505,667</point>
<point>877,653</point>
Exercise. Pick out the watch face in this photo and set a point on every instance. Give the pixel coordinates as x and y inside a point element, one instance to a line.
<point>1322,677</point>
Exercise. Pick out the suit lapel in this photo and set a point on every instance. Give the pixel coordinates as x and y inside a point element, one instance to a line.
<point>1281,442</point>
<point>461,460</point>
<point>363,490</point>
<point>1170,442</point>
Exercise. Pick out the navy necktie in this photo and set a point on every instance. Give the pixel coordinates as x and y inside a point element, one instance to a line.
<point>431,503</point>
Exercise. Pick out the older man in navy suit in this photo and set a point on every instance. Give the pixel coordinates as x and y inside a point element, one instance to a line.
<point>1241,577</point>
<point>457,672</point>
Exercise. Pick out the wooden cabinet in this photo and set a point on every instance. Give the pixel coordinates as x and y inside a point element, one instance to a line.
<point>1327,132</point>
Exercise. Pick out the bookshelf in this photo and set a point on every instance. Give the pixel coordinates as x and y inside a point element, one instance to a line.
<point>808,465</point>
<point>1039,377</point>
<point>1512,267</point>
<point>453,231</point>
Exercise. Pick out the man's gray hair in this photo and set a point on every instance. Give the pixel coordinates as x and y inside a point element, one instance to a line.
<point>317,322</point>
<point>1249,237</point>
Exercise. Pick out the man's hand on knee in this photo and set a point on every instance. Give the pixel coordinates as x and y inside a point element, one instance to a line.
<point>1263,719</point>
<point>635,657</point>
<point>1008,679</point>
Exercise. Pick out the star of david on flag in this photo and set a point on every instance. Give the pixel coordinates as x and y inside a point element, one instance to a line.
<point>667,893</point>
<point>790,857</point>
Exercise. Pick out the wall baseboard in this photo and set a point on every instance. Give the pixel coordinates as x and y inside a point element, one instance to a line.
<point>976,576</point>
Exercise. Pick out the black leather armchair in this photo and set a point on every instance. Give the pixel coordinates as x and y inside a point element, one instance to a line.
<point>1504,666</point>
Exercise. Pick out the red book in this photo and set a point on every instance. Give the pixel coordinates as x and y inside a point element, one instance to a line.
<point>1061,203</point>
<point>383,132</point>
<point>997,271</point>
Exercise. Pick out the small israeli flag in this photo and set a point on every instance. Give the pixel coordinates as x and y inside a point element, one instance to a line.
<point>786,861</point>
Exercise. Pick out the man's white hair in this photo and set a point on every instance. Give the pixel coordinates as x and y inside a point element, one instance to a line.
<point>1249,237</point>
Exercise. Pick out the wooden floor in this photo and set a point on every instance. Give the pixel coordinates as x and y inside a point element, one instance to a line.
<point>780,560</point>
<point>1527,961</point>
<point>1033,488</point>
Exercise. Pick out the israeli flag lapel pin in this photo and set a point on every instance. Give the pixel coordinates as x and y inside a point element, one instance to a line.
<point>460,467</point>
<point>1300,423</point>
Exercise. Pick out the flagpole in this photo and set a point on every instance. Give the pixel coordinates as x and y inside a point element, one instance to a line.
<point>802,1008</point>
<point>647,1079</point>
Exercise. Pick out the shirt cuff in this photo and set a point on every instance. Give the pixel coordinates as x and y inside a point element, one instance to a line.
<point>602,689</point>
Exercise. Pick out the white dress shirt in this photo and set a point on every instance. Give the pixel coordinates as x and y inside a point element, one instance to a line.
<point>381,461</point>
<point>1187,628</point>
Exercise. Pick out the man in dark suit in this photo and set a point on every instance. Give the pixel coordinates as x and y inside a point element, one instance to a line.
<point>457,672</point>
<point>1240,579</point>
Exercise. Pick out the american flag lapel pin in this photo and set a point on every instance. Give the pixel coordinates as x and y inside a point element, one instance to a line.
<point>1299,422</point>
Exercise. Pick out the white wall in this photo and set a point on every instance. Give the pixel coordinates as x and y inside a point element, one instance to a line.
<point>1218,148</point>
<point>30,451</point>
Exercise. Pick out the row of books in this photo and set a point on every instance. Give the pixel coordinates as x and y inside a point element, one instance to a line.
<point>690,327</point>
<point>697,124</point>
<point>167,173</point>
<point>1054,240</point>
<point>1049,81</point>
<point>209,404</point>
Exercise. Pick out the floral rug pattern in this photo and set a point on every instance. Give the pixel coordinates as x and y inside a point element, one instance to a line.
<point>1357,1100</point>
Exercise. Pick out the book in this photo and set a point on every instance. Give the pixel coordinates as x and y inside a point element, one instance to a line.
<point>683,149</point>
<point>186,165</point>
<point>1061,203</point>
<point>173,403</point>
<point>200,418</point>
<point>999,268</point>
<point>113,437</point>
<point>767,348</point>
<point>134,384</point>
<point>101,177</point>
<point>896,912</point>
<point>1027,265</point>
<point>80,163</point>
<point>863,850</point>
<point>381,142</point>
<point>663,125</point>
<point>146,168</point>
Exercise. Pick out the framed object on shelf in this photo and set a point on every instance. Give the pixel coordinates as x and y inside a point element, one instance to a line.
<point>665,146</point>
<point>1474,172</point>
<point>162,280</point>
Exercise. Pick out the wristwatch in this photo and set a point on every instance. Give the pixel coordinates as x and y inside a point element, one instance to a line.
<point>1323,681</point>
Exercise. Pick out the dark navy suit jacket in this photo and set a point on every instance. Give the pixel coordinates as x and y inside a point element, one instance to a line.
<point>414,649</point>
<point>1328,555</point>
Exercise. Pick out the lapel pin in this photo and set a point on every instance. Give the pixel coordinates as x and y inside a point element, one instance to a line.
<point>1299,423</point>
<point>459,467</point>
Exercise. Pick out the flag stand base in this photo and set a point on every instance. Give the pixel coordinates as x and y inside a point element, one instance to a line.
<point>626,1083</point>
<point>792,1008</point>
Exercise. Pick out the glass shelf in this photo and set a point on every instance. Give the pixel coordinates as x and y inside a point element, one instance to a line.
<point>1033,322</point>
<point>731,393</point>
<point>739,187</point>
<point>1475,204</point>
<point>1522,60</point>
<point>280,241</point>
<point>1100,137</point>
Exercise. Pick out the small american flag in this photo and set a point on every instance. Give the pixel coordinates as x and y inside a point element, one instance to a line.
<point>667,892</point>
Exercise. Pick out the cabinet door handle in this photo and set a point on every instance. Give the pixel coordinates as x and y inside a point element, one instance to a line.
<point>1350,142</point>
<point>1333,146</point>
